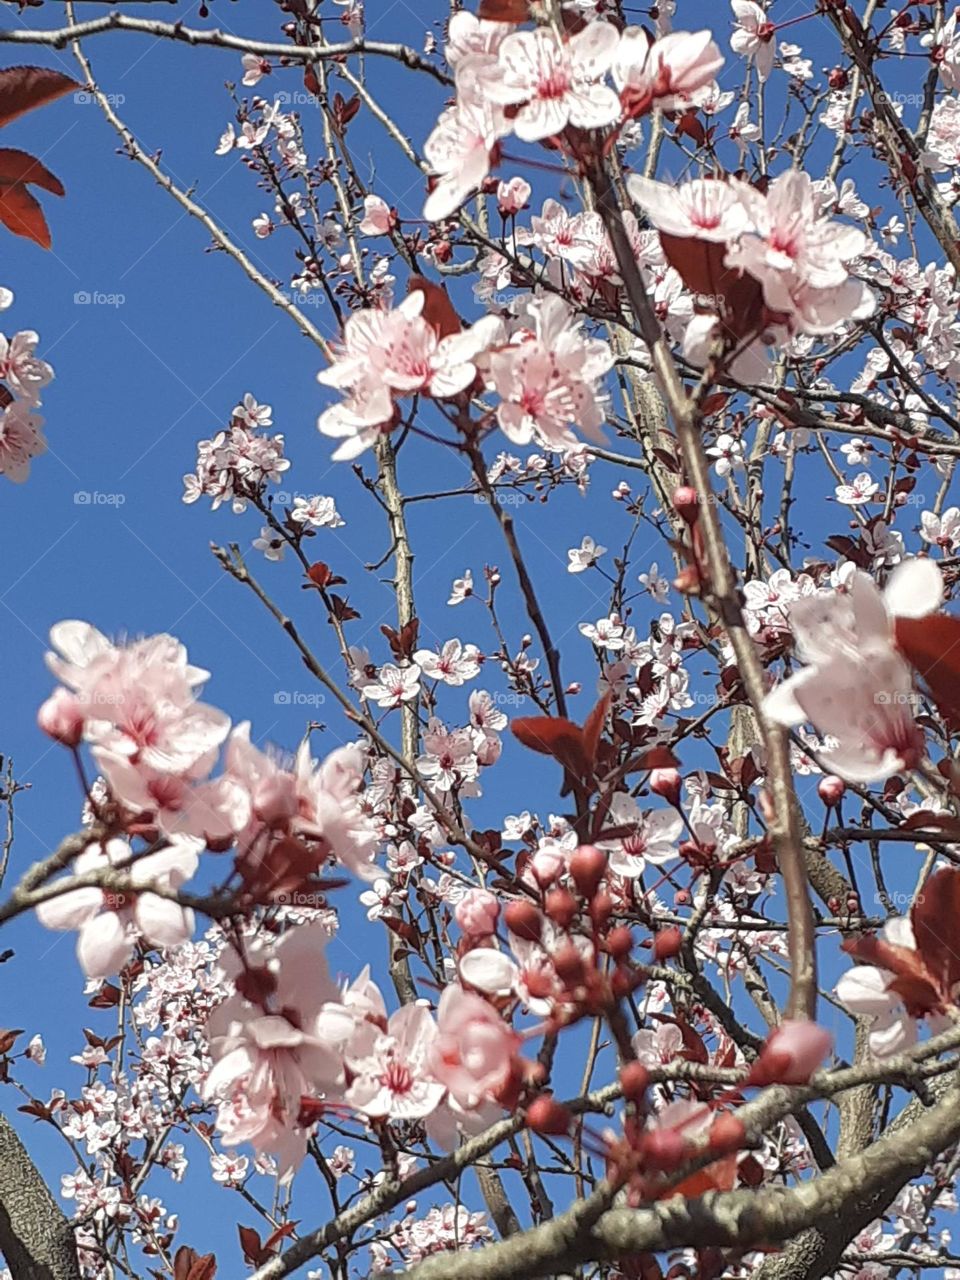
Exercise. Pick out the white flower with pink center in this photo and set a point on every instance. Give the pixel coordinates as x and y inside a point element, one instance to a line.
<point>556,82</point>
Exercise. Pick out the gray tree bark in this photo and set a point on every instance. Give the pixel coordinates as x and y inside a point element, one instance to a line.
<point>36,1239</point>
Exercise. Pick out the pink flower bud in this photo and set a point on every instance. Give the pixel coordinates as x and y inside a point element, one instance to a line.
<point>547,865</point>
<point>666,784</point>
<point>686,504</point>
<point>61,718</point>
<point>378,218</point>
<point>513,196</point>
<point>792,1053</point>
<point>831,790</point>
<point>477,913</point>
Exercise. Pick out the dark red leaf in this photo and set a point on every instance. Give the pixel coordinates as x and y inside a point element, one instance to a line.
<point>932,647</point>
<point>934,917</point>
<point>438,310</point>
<point>553,736</point>
<point>190,1265</point>
<point>21,213</point>
<point>504,10</point>
<point>253,1250</point>
<point>23,88</point>
<point>592,729</point>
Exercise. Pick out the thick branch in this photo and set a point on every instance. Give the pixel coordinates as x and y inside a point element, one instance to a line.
<point>35,1238</point>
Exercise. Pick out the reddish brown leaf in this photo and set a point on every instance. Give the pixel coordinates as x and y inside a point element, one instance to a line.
<point>504,10</point>
<point>23,88</point>
<point>713,404</point>
<point>592,729</point>
<point>654,758</point>
<point>281,1233</point>
<point>21,213</point>
<point>190,1265</point>
<point>8,1039</point>
<point>37,1109</point>
<point>21,166</point>
<point>932,647</point>
<point>253,1250</point>
<point>438,310</point>
<point>553,736</point>
<point>934,917</point>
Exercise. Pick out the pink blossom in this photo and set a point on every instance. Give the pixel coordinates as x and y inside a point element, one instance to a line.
<point>395,353</point>
<point>754,35</point>
<point>459,151</point>
<point>669,70</point>
<point>391,1069</point>
<point>473,1053</point>
<point>548,377</point>
<point>868,991</point>
<point>513,196</point>
<point>108,921</point>
<point>477,913</point>
<point>21,439</point>
<point>378,218</point>
<point>394,685</point>
<point>454,664</point>
<point>555,82</point>
<point>856,687</point>
<point>329,807</point>
<point>707,208</point>
<point>20,368</point>
<point>266,1058</point>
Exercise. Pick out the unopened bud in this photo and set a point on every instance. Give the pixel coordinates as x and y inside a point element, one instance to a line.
<point>667,943</point>
<point>686,504</point>
<point>587,868</point>
<point>831,790</point>
<point>523,919</point>
<point>666,784</point>
<point>546,1115</point>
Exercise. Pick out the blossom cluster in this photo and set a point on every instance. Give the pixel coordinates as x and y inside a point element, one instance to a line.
<point>23,375</point>
<point>544,369</point>
<point>156,745</point>
<point>535,84</point>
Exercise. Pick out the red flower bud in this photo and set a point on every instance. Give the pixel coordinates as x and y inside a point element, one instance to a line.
<point>587,867</point>
<point>545,1115</point>
<point>523,919</point>
<point>634,1081</point>
<point>727,1134</point>
<point>831,790</point>
<point>619,942</point>
<point>561,907</point>
<point>664,1149</point>
<point>667,943</point>
<point>686,503</point>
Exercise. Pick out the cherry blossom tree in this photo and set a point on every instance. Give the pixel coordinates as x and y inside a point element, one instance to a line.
<point>694,1011</point>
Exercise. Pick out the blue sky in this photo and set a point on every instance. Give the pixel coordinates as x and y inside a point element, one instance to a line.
<point>138,382</point>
